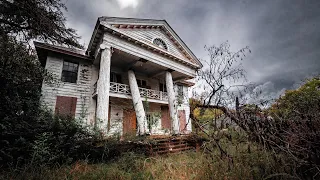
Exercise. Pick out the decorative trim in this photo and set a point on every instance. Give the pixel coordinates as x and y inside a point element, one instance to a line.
<point>149,23</point>
<point>60,50</point>
<point>142,53</point>
<point>164,41</point>
<point>123,35</point>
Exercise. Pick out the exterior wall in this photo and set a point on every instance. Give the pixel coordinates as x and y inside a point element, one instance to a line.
<point>93,102</point>
<point>81,90</point>
<point>116,118</point>
<point>86,105</point>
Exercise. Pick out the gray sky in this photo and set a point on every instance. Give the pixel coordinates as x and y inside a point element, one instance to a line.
<point>284,35</point>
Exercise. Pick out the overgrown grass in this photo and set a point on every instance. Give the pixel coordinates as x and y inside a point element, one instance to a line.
<point>249,162</point>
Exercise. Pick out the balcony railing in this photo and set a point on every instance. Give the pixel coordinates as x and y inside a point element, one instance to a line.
<point>144,93</point>
<point>119,88</point>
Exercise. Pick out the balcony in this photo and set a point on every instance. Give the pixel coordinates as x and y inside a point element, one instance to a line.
<point>124,89</point>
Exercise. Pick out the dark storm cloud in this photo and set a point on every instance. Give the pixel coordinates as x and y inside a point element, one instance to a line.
<point>283,35</point>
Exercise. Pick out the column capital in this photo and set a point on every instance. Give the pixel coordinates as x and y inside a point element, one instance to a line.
<point>104,46</point>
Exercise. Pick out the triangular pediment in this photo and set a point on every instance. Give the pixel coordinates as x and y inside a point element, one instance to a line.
<point>147,30</point>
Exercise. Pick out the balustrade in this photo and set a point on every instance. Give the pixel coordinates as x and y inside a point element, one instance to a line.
<point>144,93</point>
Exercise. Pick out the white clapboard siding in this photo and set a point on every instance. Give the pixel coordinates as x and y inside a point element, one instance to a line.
<point>148,35</point>
<point>81,90</point>
<point>116,120</point>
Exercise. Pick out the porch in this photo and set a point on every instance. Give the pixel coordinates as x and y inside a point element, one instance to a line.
<point>126,76</point>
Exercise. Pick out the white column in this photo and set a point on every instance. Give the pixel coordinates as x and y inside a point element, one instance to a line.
<point>103,87</point>
<point>172,103</point>
<point>137,104</point>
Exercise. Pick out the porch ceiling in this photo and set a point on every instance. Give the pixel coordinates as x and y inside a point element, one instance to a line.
<point>126,61</point>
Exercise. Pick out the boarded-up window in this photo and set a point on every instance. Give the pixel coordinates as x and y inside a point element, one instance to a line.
<point>182,120</point>
<point>165,117</point>
<point>129,122</point>
<point>66,106</point>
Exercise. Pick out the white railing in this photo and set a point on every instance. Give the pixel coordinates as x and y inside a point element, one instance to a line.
<point>119,88</point>
<point>164,95</point>
<point>125,89</point>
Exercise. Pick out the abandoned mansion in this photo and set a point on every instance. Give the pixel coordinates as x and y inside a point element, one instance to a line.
<point>132,79</point>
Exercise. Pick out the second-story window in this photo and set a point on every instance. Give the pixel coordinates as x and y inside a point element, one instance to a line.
<point>69,72</point>
<point>180,90</point>
<point>114,77</point>
<point>142,83</point>
<point>162,87</point>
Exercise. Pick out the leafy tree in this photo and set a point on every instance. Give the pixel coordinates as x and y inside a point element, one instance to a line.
<point>206,115</point>
<point>36,19</point>
<point>21,117</point>
<point>302,103</point>
<point>21,78</point>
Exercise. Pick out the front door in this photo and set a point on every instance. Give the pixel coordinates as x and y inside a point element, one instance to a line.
<point>129,122</point>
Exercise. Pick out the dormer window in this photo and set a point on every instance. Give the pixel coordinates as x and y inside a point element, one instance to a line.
<point>160,43</point>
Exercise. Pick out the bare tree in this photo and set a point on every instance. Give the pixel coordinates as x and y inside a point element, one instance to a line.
<point>222,74</point>
<point>289,127</point>
<point>222,78</point>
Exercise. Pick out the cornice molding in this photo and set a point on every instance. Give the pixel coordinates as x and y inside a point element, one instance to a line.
<point>114,23</point>
<point>130,48</point>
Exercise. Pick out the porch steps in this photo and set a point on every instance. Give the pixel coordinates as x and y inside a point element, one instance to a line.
<point>168,145</point>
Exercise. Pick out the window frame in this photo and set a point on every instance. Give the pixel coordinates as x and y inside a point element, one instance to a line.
<point>66,70</point>
<point>66,111</point>
<point>180,90</point>
<point>163,87</point>
<point>115,77</point>
<point>163,42</point>
<point>142,80</point>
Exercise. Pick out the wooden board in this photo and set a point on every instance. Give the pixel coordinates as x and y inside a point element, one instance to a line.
<point>66,106</point>
<point>129,122</point>
<point>182,119</point>
<point>165,117</point>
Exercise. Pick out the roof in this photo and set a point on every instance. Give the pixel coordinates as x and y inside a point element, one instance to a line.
<point>112,24</point>
<point>43,49</point>
<point>186,83</point>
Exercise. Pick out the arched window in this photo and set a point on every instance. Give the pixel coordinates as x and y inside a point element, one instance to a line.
<point>159,42</point>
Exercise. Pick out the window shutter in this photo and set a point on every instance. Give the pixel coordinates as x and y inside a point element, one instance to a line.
<point>66,106</point>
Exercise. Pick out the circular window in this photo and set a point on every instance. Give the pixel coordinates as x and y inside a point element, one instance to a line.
<point>159,42</point>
